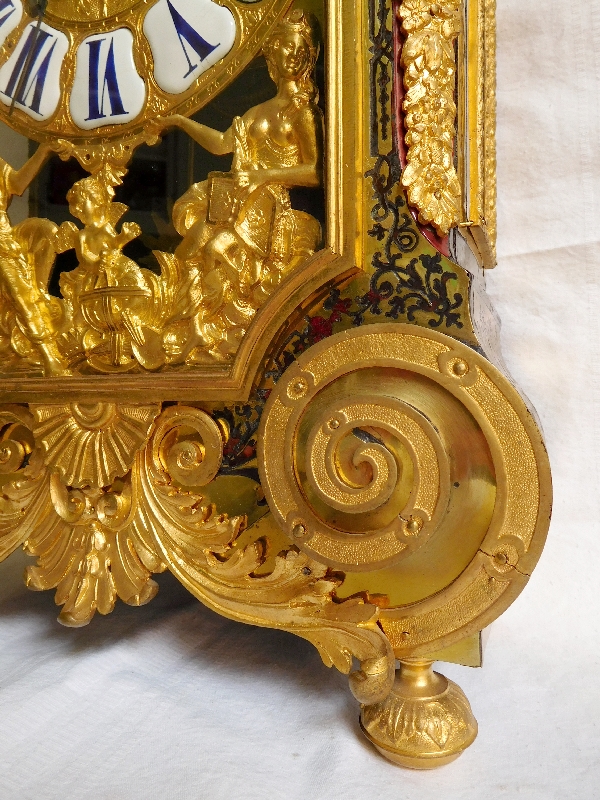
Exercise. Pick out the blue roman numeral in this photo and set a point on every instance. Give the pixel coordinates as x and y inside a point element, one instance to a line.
<point>98,88</point>
<point>8,7</point>
<point>35,78</point>
<point>186,33</point>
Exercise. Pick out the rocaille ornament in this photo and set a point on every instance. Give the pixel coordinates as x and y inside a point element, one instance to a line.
<point>294,405</point>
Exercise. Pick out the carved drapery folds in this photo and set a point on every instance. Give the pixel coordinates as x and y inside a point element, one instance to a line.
<point>429,64</point>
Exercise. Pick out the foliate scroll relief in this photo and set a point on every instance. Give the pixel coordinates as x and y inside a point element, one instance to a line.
<point>240,238</point>
<point>104,538</point>
<point>94,489</point>
<point>92,444</point>
<point>429,63</point>
<point>341,436</point>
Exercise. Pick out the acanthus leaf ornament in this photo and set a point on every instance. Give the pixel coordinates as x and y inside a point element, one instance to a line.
<point>96,540</point>
<point>94,545</point>
<point>427,714</point>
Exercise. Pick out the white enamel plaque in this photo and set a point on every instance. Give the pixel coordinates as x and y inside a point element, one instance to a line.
<point>32,73</point>
<point>187,37</point>
<point>107,89</point>
<point>11,12</point>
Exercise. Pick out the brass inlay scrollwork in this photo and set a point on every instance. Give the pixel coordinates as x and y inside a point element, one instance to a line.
<point>406,486</point>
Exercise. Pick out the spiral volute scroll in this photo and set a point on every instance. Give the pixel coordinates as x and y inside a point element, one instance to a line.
<point>357,477</point>
<point>188,444</point>
<point>16,440</point>
<point>405,460</point>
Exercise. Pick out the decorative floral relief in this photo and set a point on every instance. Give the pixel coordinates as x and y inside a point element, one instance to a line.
<point>429,64</point>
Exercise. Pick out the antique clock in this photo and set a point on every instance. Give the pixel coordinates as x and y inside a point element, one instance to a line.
<point>288,391</point>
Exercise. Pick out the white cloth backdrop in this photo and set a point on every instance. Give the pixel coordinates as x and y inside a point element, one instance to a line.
<point>171,701</point>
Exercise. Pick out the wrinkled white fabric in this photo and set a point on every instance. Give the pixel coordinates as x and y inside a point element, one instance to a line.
<point>171,702</point>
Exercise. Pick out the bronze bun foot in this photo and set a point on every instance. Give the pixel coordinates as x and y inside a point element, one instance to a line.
<point>425,722</point>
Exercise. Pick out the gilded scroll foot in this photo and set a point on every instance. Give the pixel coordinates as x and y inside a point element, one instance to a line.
<point>425,722</point>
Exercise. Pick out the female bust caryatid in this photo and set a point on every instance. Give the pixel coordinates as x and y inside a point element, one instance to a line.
<point>240,231</point>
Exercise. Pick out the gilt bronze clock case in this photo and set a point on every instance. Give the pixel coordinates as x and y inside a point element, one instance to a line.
<point>298,407</point>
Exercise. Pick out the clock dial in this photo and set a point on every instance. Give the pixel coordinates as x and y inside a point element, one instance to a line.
<point>129,301</point>
<point>11,13</point>
<point>98,71</point>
